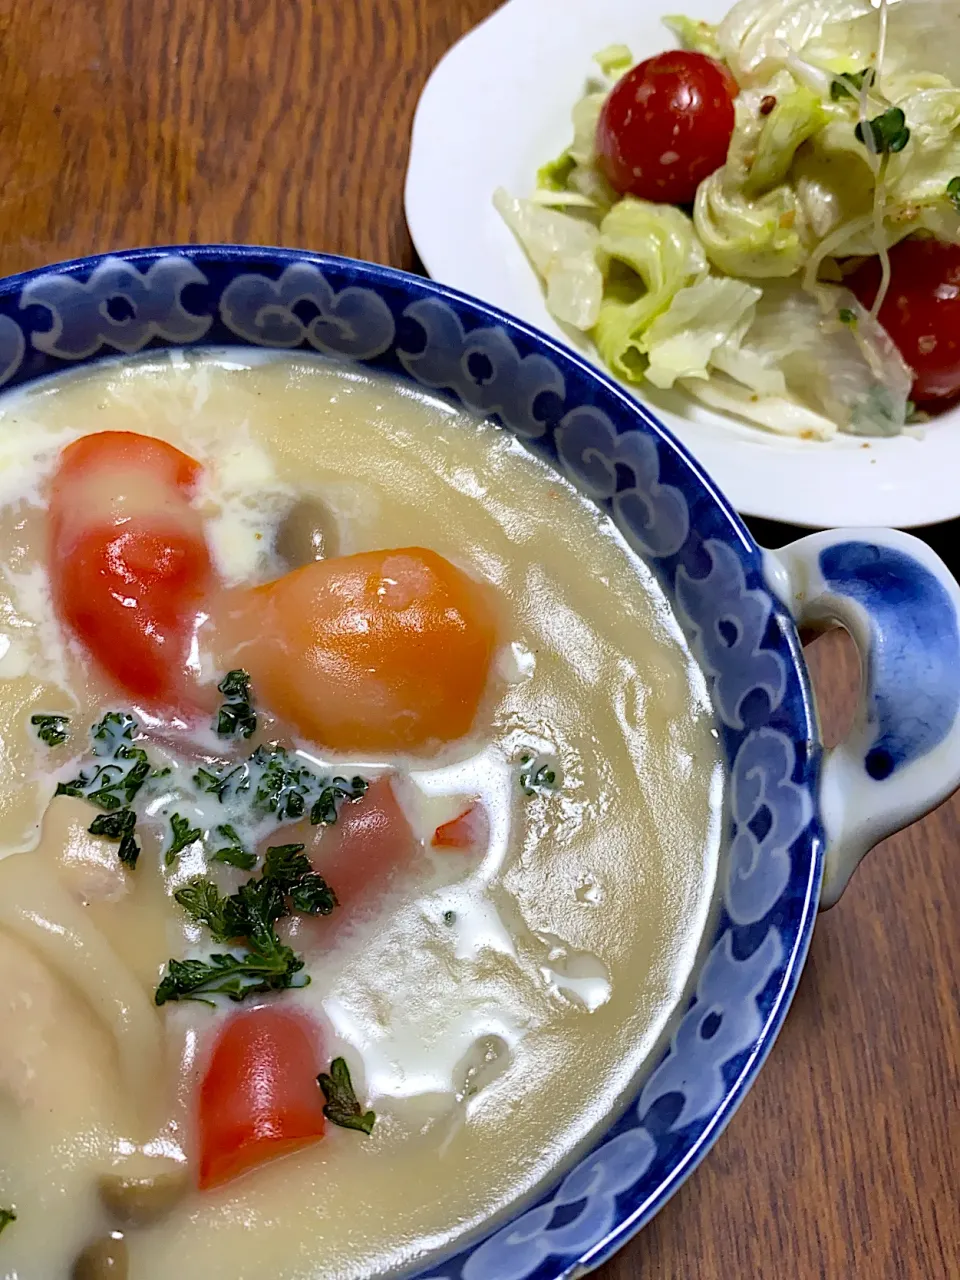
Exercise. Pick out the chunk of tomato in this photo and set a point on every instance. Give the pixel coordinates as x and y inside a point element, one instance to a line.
<point>469,831</point>
<point>921,313</point>
<point>259,1098</point>
<point>369,846</point>
<point>129,565</point>
<point>378,652</point>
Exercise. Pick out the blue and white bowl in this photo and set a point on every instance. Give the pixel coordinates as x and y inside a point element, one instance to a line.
<point>800,818</point>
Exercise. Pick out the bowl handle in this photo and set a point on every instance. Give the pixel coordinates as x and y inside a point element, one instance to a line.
<point>901,605</point>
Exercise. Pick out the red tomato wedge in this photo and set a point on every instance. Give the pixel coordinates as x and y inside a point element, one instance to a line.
<point>370,844</point>
<point>921,313</point>
<point>129,565</point>
<point>470,830</point>
<point>379,652</point>
<point>259,1098</point>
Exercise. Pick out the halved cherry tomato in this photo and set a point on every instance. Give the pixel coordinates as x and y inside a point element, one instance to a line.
<point>378,652</point>
<point>921,313</point>
<point>129,565</point>
<point>370,844</point>
<point>469,830</point>
<point>666,125</point>
<point>259,1098</point>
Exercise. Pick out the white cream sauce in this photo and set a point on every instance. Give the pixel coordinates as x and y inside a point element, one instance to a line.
<point>496,1008</point>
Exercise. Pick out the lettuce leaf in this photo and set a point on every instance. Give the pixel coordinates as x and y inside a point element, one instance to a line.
<point>614,60</point>
<point>700,37</point>
<point>757,238</point>
<point>757,36</point>
<point>797,115</point>
<point>701,317</point>
<point>563,251</point>
<point>652,253</point>
<point>822,352</point>
<point>748,217</point>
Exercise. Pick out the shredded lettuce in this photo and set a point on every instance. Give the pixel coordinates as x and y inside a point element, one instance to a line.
<point>652,254</point>
<point>824,352</point>
<point>614,60</point>
<point>700,37</point>
<point>757,35</point>
<point>563,251</point>
<point>701,317</point>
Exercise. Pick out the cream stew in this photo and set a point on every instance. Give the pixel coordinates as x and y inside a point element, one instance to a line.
<point>343,686</point>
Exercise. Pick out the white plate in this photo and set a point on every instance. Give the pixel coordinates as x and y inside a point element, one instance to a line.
<point>495,108</point>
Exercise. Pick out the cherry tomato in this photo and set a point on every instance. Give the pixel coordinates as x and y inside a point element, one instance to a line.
<point>259,1098</point>
<point>666,125</point>
<point>378,652</point>
<point>921,313</point>
<point>469,830</point>
<point>369,845</point>
<point>129,565</point>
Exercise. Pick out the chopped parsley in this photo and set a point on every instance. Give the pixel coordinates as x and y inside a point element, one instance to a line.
<point>289,868</point>
<point>237,718</point>
<point>182,836</point>
<point>326,806</point>
<point>850,84</point>
<point>113,785</point>
<point>953,193</point>
<point>848,316</point>
<point>887,132</point>
<point>223,782</point>
<point>6,1217</point>
<point>247,919</point>
<point>283,787</point>
<point>51,730</point>
<point>119,825</point>
<point>233,853</point>
<point>536,779</point>
<point>342,1106</point>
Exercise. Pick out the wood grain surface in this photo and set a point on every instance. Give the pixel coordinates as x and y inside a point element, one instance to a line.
<point>133,122</point>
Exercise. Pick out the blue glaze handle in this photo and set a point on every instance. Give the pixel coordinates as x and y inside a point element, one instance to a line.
<point>901,605</point>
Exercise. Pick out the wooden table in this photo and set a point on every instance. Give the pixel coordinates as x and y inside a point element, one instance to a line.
<point>132,122</point>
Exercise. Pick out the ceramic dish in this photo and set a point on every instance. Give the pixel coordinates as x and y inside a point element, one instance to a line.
<point>497,107</point>
<point>795,828</point>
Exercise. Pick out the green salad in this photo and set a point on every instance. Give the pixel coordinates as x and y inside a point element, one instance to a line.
<point>768,217</point>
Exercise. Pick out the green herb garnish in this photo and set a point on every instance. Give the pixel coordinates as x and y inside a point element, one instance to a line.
<point>115,728</point>
<point>221,783</point>
<point>289,868</point>
<point>6,1217</point>
<point>888,132</point>
<point>327,805</point>
<point>283,787</point>
<point>111,786</point>
<point>182,836</point>
<point>247,918</point>
<point>847,315</point>
<point>237,717</point>
<point>342,1106</point>
<point>850,84</point>
<point>536,779</point>
<point>119,825</point>
<point>51,730</point>
<point>233,853</point>
<point>953,193</point>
